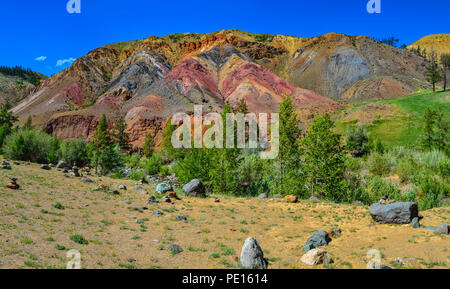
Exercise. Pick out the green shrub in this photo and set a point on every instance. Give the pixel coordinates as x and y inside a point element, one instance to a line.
<point>53,155</point>
<point>28,145</point>
<point>357,141</point>
<point>75,153</point>
<point>165,170</point>
<point>79,239</point>
<point>406,168</point>
<point>153,164</point>
<point>136,175</point>
<point>378,164</point>
<point>376,187</point>
<point>108,160</point>
<point>431,191</point>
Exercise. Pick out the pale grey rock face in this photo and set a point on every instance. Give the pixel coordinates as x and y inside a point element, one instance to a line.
<point>252,257</point>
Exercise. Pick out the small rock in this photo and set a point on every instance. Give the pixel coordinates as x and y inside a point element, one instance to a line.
<point>314,199</point>
<point>174,249</point>
<point>181,218</point>
<point>45,167</point>
<point>152,200</point>
<point>122,187</point>
<point>166,199</point>
<point>290,199</point>
<point>127,202</point>
<point>163,188</point>
<point>252,257</point>
<point>86,180</point>
<point>139,222</point>
<point>316,257</point>
<point>442,229</point>
<point>61,165</point>
<point>13,185</point>
<point>318,239</point>
<point>415,223</point>
<point>158,213</point>
<point>195,188</point>
<point>139,208</point>
<point>217,200</point>
<point>263,196</point>
<point>133,217</point>
<point>172,195</point>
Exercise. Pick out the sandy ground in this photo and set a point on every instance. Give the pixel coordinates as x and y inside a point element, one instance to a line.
<point>31,228</point>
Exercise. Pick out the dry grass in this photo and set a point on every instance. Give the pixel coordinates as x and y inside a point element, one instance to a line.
<point>35,231</point>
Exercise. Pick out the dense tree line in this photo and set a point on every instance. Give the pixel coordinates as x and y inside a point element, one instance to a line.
<point>26,74</point>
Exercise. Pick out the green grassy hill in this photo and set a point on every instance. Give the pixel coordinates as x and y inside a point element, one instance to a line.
<point>396,122</point>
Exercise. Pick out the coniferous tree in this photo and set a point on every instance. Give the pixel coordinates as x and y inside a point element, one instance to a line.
<point>149,146</point>
<point>442,135</point>
<point>430,119</point>
<point>433,73</point>
<point>122,138</point>
<point>102,137</point>
<point>288,149</point>
<point>324,158</point>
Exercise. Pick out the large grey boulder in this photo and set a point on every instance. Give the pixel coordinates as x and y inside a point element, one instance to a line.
<point>397,213</point>
<point>252,257</point>
<point>195,188</point>
<point>442,229</point>
<point>318,239</point>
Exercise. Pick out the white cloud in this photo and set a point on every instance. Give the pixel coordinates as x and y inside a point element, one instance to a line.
<point>41,58</point>
<point>61,62</point>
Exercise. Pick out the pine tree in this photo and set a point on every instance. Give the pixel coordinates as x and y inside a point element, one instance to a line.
<point>442,136</point>
<point>102,137</point>
<point>430,119</point>
<point>149,146</point>
<point>433,74</point>
<point>122,138</point>
<point>324,159</point>
<point>7,117</point>
<point>288,152</point>
<point>168,150</point>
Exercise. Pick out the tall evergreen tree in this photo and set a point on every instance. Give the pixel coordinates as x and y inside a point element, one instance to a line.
<point>433,73</point>
<point>7,117</point>
<point>288,149</point>
<point>122,138</point>
<point>429,119</point>
<point>102,137</point>
<point>149,146</point>
<point>324,158</point>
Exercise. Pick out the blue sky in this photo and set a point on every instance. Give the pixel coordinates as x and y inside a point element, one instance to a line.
<point>43,36</point>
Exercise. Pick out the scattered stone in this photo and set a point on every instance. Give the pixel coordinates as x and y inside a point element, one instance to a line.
<point>415,223</point>
<point>318,239</point>
<point>172,195</point>
<point>133,217</point>
<point>263,196</point>
<point>45,167</point>
<point>335,232</point>
<point>152,200</point>
<point>103,187</point>
<point>195,188</point>
<point>62,165</point>
<point>139,222</point>
<point>75,171</point>
<point>86,205</point>
<point>217,200</point>
<point>181,218</point>
<point>6,165</point>
<point>17,163</point>
<point>357,203</point>
<point>86,180</point>
<point>13,185</point>
<point>138,188</point>
<point>385,200</point>
<point>122,187</point>
<point>252,257</point>
<point>166,199</point>
<point>398,213</point>
<point>442,229</point>
<point>65,171</point>
<point>127,202</point>
<point>138,208</point>
<point>158,213</point>
<point>163,188</point>
<point>316,257</point>
<point>314,199</point>
<point>290,199</point>
<point>174,249</point>
<point>143,181</point>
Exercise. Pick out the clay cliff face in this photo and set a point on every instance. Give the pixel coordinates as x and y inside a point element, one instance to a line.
<point>147,81</point>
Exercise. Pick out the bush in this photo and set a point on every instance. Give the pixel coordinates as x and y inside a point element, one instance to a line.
<point>75,153</point>
<point>250,176</point>
<point>406,169</point>
<point>357,141</point>
<point>431,191</point>
<point>108,160</point>
<point>28,145</point>
<point>134,161</point>
<point>153,164</point>
<point>378,164</point>
<point>376,188</point>
<point>53,154</point>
